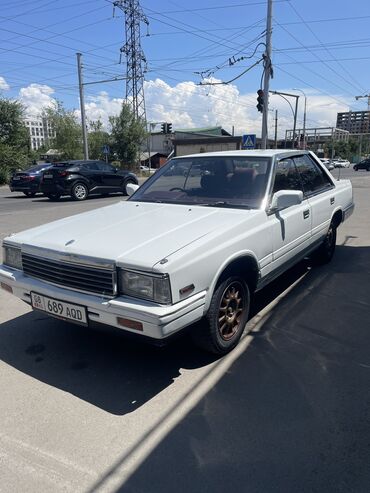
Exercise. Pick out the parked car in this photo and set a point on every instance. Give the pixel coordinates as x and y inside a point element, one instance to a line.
<point>181,251</point>
<point>146,169</point>
<point>341,163</point>
<point>79,179</point>
<point>365,164</point>
<point>327,163</point>
<point>29,180</point>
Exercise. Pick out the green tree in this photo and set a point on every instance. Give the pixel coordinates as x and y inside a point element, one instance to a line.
<point>127,135</point>
<point>68,132</point>
<point>14,138</point>
<point>97,138</point>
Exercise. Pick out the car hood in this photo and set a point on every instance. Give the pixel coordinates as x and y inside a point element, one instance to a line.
<point>134,234</point>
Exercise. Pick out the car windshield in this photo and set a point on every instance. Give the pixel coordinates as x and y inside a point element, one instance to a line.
<point>219,181</point>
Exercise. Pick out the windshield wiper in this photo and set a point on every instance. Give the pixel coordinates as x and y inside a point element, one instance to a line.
<point>223,203</point>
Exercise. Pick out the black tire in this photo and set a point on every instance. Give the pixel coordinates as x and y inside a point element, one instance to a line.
<point>79,191</point>
<point>128,182</point>
<point>326,250</point>
<point>29,194</point>
<point>53,196</point>
<point>218,333</point>
<point>368,168</point>
<point>355,168</point>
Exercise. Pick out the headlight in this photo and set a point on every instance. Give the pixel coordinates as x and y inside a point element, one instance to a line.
<point>146,286</point>
<point>12,257</point>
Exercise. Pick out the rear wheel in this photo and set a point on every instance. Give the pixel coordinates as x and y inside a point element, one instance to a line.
<point>224,323</point>
<point>325,252</point>
<point>79,191</point>
<point>29,194</point>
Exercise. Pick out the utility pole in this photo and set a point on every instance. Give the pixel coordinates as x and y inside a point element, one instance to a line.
<point>295,120</point>
<point>304,117</point>
<point>82,106</point>
<point>267,75</point>
<point>276,123</point>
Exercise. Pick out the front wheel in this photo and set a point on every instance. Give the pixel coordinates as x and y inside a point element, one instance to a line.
<point>355,168</point>
<point>325,252</point>
<point>224,323</point>
<point>79,191</point>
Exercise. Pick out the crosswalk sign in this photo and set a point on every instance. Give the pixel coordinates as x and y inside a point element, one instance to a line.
<point>249,141</point>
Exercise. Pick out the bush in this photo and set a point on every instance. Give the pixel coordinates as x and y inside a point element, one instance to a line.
<point>4,176</point>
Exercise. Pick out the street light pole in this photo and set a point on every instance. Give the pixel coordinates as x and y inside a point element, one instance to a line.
<point>304,117</point>
<point>283,94</point>
<point>267,75</point>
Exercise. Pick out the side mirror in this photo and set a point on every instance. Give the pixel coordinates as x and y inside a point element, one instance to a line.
<point>131,188</point>
<point>285,198</point>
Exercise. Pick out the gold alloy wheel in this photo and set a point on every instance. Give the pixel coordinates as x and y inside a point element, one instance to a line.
<point>231,310</point>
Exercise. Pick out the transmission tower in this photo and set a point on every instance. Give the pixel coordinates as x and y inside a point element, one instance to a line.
<point>135,58</point>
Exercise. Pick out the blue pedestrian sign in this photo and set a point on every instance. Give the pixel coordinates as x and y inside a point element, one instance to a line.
<point>249,141</point>
<point>106,149</point>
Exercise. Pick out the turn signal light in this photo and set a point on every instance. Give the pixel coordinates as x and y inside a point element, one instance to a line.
<point>130,324</point>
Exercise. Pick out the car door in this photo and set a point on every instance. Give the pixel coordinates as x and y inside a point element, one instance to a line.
<point>291,227</point>
<point>110,178</point>
<point>319,190</point>
<point>90,171</point>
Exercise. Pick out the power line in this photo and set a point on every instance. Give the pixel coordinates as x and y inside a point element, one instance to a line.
<point>326,49</point>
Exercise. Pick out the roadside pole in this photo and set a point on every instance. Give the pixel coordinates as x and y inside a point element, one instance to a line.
<point>276,124</point>
<point>267,75</point>
<point>82,106</point>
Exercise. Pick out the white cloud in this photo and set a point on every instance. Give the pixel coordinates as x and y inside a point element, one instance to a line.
<point>101,107</point>
<point>36,97</point>
<point>4,86</point>
<point>188,105</point>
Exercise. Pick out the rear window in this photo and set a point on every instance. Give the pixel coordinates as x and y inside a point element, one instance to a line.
<point>38,168</point>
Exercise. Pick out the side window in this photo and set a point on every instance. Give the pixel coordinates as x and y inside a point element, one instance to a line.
<point>104,166</point>
<point>312,176</point>
<point>90,166</point>
<point>286,176</point>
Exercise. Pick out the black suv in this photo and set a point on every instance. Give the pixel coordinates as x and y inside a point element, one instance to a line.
<point>81,178</point>
<point>365,164</point>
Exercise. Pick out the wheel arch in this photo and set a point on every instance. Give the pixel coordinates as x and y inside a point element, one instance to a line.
<point>244,264</point>
<point>337,217</point>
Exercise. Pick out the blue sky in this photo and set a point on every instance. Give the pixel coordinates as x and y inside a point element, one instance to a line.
<point>320,47</point>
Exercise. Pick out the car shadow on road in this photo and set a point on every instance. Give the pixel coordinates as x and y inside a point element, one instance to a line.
<point>292,414</point>
<point>104,367</point>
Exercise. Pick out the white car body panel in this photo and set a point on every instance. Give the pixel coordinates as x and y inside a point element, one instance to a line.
<point>192,244</point>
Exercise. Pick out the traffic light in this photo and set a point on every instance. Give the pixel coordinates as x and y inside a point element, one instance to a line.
<point>169,128</point>
<point>164,128</point>
<point>260,100</point>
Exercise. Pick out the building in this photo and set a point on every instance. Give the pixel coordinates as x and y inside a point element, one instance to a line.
<point>355,122</point>
<point>209,139</point>
<point>40,131</point>
<point>156,159</point>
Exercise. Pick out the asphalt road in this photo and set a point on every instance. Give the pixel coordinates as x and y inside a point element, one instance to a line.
<point>287,411</point>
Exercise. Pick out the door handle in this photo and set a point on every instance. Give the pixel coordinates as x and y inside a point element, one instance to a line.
<point>306,214</point>
<point>332,200</point>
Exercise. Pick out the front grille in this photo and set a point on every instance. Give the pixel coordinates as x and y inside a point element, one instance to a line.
<point>72,275</point>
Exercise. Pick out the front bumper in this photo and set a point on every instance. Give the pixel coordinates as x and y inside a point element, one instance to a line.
<point>159,321</point>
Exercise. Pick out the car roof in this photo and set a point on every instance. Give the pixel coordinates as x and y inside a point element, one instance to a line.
<point>249,153</point>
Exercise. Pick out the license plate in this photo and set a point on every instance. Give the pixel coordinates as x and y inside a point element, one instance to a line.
<point>60,309</point>
<point>16,178</point>
<point>48,176</point>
